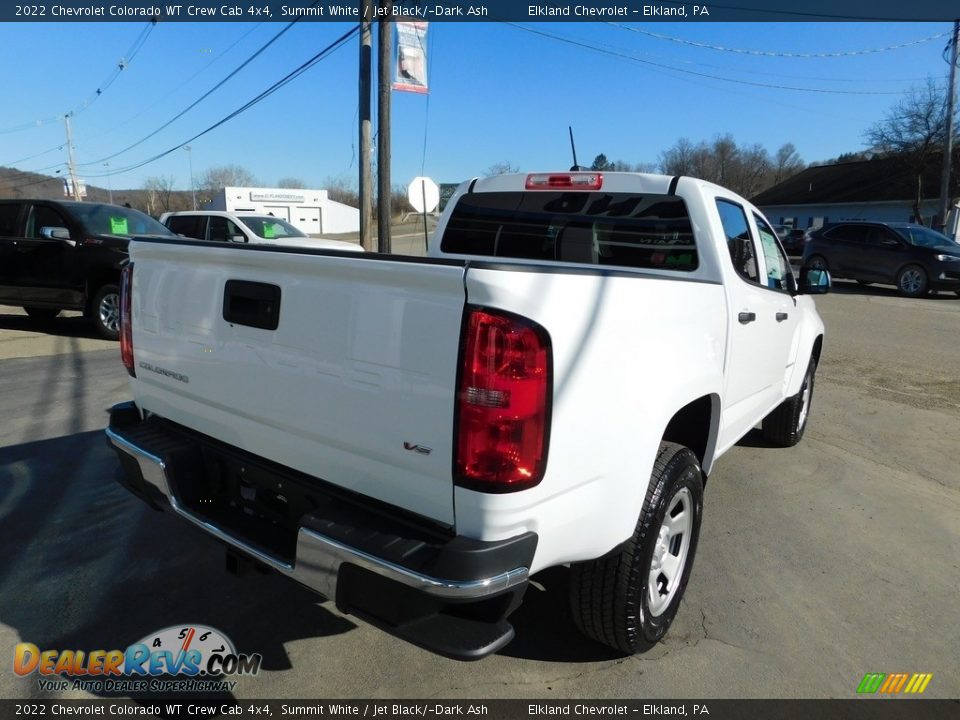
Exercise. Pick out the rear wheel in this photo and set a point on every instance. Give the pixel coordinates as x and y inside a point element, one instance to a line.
<point>105,312</point>
<point>912,281</point>
<point>628,600</point>
<point>784,426</point>
<point>42,314</point>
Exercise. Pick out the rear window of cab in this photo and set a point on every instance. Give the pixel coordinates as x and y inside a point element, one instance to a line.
<point>597,228</point>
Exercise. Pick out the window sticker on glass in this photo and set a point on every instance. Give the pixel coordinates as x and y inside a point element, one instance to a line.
<point>118,226</point>
<point>269,230</point>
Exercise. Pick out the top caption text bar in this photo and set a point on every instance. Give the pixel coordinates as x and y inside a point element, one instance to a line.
<point>492,10</point>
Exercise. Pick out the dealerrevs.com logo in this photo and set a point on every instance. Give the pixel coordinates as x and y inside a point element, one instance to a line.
<point>181,658</point>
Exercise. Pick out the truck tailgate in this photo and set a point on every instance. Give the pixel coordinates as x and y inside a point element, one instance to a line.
<point>355,385</point>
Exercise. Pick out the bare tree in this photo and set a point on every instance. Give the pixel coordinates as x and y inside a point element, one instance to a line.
<point>217,178</point>
<point>786,163</point>
<point>501,168</point>
<point>745,170</point>
<point>159,191</point>
<point>913,130</point>
<point>725,156</point>
<point>292,183</point>
<point>750,170</point>
<point>343,190</point>
<point>678,160</point>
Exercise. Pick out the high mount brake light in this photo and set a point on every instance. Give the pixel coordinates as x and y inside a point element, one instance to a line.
<point>564,181</point>
<point>502,403</point>
<point>126,322</point>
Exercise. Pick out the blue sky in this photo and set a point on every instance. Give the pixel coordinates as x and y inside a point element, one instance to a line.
<point>498,93</point>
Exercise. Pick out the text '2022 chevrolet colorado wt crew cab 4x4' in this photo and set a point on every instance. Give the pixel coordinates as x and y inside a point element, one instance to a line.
<point>413,438</point>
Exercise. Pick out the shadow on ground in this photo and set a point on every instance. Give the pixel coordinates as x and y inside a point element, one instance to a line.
<point>64,325</point>
<point>87,566</point>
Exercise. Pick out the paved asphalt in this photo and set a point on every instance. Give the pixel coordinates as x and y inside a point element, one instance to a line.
<point>816,564</point>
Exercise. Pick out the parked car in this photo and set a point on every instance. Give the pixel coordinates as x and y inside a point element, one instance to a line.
<point>794,241</point>
<point>223,226</point>
<point>414,438</point>
<point>914,258</point>
<point>59,255</point>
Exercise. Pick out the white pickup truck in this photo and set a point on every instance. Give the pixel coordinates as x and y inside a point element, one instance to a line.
<point>413,438</point>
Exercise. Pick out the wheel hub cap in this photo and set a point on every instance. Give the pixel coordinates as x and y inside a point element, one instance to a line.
<point>671,552</point>
<point>110,312</point>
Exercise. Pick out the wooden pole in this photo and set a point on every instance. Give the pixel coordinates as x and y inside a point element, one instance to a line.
<point>366,185</point>
<point>948,141</point>
<point>384,64</point>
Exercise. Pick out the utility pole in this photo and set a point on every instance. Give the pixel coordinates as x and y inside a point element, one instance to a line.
<point>384,48</point>
<point>193,188</point>
<point>71,166</point>
<point>109,184</point>
<point>366,189</point>
<point>948,141</point>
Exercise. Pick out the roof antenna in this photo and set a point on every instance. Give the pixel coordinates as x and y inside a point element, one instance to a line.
<point>573,149</point>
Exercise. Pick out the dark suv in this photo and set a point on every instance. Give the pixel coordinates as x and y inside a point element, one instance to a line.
<point>58,255</point>
<point>914,258</point>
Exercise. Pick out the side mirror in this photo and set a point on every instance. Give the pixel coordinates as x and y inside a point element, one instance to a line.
<point>238,238</point>
<point>815,281</point>
<point>57,233</point>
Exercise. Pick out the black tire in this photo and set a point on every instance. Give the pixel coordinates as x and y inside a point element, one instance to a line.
<point>784,426</point>
<point>817,262</point>
<point>42,314</point>
<point>609,596</point>
<point>912,281</point>
<point>105,312</point>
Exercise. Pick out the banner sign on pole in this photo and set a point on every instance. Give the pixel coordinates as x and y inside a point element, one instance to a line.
<point>410,73</point>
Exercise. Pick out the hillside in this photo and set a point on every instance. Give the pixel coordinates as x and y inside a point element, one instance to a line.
<point>19,184</point>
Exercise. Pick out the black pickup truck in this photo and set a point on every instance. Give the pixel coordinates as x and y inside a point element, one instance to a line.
<point>57,255</point>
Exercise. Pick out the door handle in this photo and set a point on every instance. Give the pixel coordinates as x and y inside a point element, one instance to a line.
<point>746,317</point>
<point>781,316</point>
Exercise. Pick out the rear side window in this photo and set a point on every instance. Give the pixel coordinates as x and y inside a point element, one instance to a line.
<point>223,230</point>
<point>9,212</point>
<point>617,229</point>
<point>848,233</point>
<point>191,226</point>
<point>739,243</point>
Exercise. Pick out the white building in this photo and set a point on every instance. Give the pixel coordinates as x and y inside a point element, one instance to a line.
<point>309,210</point>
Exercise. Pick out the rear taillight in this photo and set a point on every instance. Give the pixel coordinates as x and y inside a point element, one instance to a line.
<point>502,403</point>
<point>564,181</point>
<point>126,324</point>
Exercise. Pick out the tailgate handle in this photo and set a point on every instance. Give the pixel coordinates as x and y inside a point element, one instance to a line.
<point>253,304</point>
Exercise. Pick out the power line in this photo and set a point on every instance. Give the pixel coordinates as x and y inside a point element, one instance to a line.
<point>122,65</point>
<point>197,101</point>
<point>289,77</point>
<point>183,84</point>
<point>770,53</point>
<point>664,66</point>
